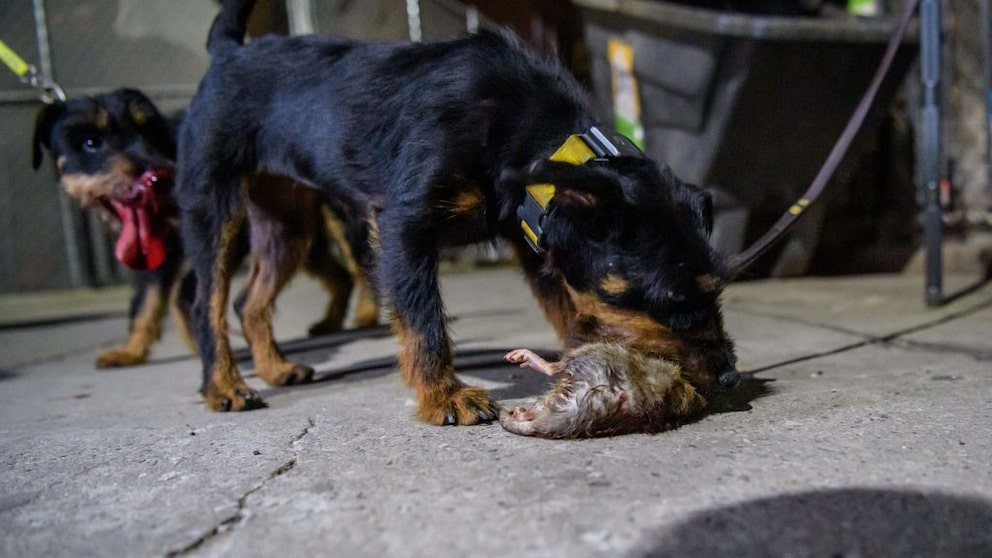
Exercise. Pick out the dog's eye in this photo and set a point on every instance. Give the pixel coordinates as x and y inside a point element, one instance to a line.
<point>92,143</point>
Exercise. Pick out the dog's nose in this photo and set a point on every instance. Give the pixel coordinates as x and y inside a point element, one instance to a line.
<point>729,378</point>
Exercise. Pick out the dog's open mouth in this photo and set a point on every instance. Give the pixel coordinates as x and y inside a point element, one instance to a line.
<point>141,244</point>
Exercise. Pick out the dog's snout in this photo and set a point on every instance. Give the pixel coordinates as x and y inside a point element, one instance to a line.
<point>729,378</point>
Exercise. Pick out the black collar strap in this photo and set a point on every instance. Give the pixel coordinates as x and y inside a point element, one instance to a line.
<point>578,149</point>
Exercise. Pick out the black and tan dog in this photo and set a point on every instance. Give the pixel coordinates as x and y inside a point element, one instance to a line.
<point>443,144</point>
<point>116,152</point>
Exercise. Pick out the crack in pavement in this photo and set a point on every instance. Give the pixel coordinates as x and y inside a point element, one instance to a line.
<point>892,339</point>
<point>239,515</point>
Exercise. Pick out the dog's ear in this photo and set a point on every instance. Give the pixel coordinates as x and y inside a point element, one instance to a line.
<point>696,203</point>
<point>578,186</point>
<point>702,205</point>
<point>139,106</point>
<point>587,205</point>
<point>43,123</point>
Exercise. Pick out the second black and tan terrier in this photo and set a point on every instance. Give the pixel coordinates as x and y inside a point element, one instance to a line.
<point>116,152</point>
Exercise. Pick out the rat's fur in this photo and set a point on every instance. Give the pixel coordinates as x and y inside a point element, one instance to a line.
<point>604,389</point>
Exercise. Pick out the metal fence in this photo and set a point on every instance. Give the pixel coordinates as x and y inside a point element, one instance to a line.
<point>90,46</point>
<point>86,46</point>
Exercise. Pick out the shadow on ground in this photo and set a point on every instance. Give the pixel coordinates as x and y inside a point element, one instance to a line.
<point>739,398</point>
<point>486,364</point>
<point>845,523</point>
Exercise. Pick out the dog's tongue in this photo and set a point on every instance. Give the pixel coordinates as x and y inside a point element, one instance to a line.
<point>140,245</point>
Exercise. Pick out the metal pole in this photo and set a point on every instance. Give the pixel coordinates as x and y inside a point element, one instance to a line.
<point>472,20</point>
<point>413,20</point>
<point>930,168</point>
<point>986,15</point>
<point>302,14</point>
<point>69,215</point>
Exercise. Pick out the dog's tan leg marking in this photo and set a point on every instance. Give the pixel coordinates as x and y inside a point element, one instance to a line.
<point>267,278</point>
<point>367,311</point>
<point>441,397</point>
<point>146,328</point>
<point>183,329</point>
<point>283,218</point>
<point>227,390</point>
<point>366,308</point>
<point>335,277</point>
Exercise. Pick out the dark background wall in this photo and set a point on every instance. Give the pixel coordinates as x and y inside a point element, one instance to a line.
<point>96,45</point>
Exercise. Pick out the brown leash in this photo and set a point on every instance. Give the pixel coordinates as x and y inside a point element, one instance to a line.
<point>739,263</point>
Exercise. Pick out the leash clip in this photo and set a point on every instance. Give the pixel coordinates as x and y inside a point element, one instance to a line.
<point>49,91</point>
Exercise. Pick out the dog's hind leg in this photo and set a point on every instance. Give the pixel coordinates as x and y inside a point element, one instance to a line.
<point>358,241</point>
<point>182,311</point>
<point>408,277</point>
<point>277,251</point>
<point>366,306</point>
<point>211,236</point>
<point>332,274</point>
<point>332,254</point>
<point>148,309</point>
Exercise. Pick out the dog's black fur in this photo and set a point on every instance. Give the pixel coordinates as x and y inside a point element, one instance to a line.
<point>434,144</point>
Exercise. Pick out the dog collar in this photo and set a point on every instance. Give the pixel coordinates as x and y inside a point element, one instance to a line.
<point>578,149</point>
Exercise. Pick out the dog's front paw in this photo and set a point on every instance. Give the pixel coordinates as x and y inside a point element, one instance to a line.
<point>118,358</point>
<point>235,397</point>
<point>464,405</point>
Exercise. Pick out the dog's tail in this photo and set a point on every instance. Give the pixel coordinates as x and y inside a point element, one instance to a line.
<point>229,27</point>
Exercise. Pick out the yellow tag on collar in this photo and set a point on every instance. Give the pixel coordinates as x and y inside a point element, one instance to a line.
<point>530,234</point>
<point>542,194</point>
<point>575,150</point>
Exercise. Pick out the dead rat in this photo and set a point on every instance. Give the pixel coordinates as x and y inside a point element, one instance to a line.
<point>604,389</point>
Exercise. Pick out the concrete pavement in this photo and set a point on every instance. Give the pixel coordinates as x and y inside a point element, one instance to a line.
<point>867,431</point>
